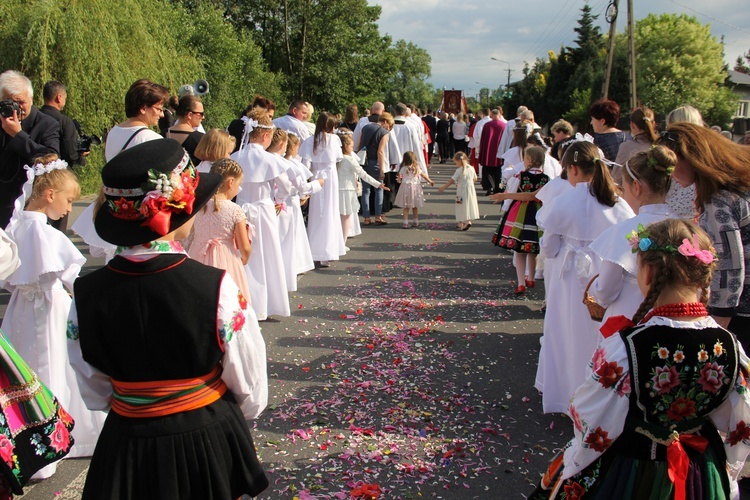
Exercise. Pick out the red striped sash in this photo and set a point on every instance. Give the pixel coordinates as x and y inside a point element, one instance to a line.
<point>166,397</point>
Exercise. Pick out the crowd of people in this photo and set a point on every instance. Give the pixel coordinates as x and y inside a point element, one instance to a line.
<point>642,239</point>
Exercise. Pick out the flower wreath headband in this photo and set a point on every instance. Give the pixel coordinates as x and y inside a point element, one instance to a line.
<point>32,172</point>
<point>250,125</point>
<point>162,196</point>
<point>640,239</point>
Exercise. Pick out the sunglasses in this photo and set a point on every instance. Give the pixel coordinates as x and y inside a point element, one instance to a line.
<point>201,113</point>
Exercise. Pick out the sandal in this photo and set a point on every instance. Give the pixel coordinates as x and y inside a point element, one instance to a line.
<point>405,225</point>
<point>466,227</point>
<point>366,222</point>
<point>380,220</point>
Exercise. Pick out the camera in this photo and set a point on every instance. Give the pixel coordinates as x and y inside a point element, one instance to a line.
<point>85,141</point>
<point>7,106</point>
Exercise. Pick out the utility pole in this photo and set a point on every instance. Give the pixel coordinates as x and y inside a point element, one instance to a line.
<point>631,57</point>
<point>508,70</point>
<point>611,17</point>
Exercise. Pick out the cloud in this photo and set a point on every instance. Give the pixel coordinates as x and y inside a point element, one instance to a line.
<point>462,36</point>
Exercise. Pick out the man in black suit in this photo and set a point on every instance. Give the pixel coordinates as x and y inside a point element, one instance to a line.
<point>24,135</point>
<point>431,122</point>
<point>55,96</point>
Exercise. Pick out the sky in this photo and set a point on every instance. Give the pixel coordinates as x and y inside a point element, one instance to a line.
<point>462,36</point>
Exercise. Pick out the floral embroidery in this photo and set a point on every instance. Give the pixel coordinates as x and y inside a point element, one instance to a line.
<point>72,331</point>
<point>574,491</point>
<point>238,321</point>
<point>609,374</point>
<point>6,450</point>
<point>740,433</point>
<point>684,390</point>
<point>577,423</point>
<point>597,360</point>
<point>681,409</point>
<point>223,334</point>
<point>60,437</point>
<point>125,209</point>
<point>665,379</point>
<point>242,300</point>
<point>624,387</point>
<point>711,377</point>
<point>598,440</point>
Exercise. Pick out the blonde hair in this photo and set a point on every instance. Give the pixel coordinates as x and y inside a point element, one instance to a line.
<point>214,145</point>
<point>261,116</point>
<point>671,268</point>
<point>461,156</point>
<point>56,180</point>
<point>292,141</point>
<point>410,162</point>
<point>346,139</point>
<point>279,136</point>
<point>225,167</point>
<point>652,167</point>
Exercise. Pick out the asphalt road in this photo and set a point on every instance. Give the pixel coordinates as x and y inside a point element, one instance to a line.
<point>406,368</point>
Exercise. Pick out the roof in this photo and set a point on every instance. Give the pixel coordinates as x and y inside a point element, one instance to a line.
<point>739,78</point>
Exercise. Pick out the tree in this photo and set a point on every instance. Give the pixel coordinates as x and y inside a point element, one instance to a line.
<point>680,62</point>
<point>408,84</point>
<point>741,64</point>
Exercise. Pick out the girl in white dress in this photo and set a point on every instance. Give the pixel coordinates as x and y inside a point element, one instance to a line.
<point>465,177</point>
<point>220,234</point>
<point>323,150</point>
<point>570,222</point>
<point>294,244</point>
<point>264,178</point>
<point>646,178</point>
<point>410,193</point>
<point>214,145</point>
<point>36,317</point>
<point>349,170</point>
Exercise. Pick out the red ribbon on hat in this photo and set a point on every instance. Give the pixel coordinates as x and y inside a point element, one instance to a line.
<point>159,222</point>
<point>678,461</point>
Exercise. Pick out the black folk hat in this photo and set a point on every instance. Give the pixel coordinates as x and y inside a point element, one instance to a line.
<point>150,190</point>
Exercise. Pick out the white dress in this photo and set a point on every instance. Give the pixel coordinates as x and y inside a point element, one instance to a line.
<point>295,246</point>
<point>570,222</point>
<point>265,269</point>
<point>37,316</point>
<point>117,141</point>
<point>349,170</point>
<point>616,288</point>
<point>323,221</point>
<point>468,209</point>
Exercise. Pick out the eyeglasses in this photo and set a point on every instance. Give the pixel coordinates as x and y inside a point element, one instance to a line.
<point>158,110</point>
<point>200,113</point>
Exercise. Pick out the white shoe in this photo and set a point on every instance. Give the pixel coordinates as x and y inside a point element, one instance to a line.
<point>347,248</point>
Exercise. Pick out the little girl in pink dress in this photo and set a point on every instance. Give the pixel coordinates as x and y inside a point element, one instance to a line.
<point>220,232</point>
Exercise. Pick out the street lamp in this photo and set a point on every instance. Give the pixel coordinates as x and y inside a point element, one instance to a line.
<point>509,70</point>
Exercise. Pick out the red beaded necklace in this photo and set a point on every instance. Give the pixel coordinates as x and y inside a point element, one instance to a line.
<point>692,309</point>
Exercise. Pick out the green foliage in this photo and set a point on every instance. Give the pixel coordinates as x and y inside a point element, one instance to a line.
<point>98,49</point>
<point>740,64</point>
<point>578,114</point>
<point>408,83</point>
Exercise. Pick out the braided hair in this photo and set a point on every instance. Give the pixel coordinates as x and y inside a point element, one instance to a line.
<point>671,268</point>
<point>652,167</point>
<point>225,167</point>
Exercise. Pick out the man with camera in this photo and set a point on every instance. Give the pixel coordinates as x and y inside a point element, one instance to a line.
<point>26,133</point>
<point>73,148</point>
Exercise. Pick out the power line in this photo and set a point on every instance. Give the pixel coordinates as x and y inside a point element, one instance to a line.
<point>711,17</point>
<point>542,38</point>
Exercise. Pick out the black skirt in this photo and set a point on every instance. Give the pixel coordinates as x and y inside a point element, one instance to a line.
<point>205,454</point>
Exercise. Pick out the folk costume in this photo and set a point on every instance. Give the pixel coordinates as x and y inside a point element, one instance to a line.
<point>323,221</point>
<point>616,288</point>
<point>647,418</point>
<point>36,318</point>
<point>264,183</point>
<point>570,222</point>
<point>518,230</point>
<point>184,365</point>
<point>35,430</point>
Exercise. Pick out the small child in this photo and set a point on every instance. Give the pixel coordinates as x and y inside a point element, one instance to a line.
<point>37,315</point>
<point>517,230</point>
<point>467,208</point>
<point>216,144</point>
<point>410,193</point>
<point>349,170</point>
<point>663,411</point>
<point>220,235</point>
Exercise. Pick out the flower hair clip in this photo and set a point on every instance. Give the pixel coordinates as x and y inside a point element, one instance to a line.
<point>693,249</point>
<point>640,239</point>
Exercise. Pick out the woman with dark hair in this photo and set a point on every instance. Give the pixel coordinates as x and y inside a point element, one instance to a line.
<point>190,115</point>
<point>144,106</point>
<point>237,127</point>
<point>643,130</point>
<point>604,115</point>
<point>352,117</point>
<point>720,170</point>
<point>323,150</point>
